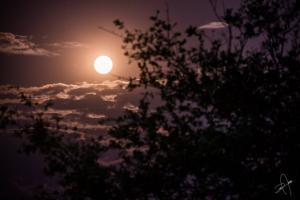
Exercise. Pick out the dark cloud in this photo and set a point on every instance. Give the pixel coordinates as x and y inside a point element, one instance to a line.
<point>21,45</point>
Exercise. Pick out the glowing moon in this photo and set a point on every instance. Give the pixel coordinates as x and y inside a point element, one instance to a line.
<point>103,64</point>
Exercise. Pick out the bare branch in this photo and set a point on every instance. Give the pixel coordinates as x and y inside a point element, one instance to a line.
<point>110,31</point>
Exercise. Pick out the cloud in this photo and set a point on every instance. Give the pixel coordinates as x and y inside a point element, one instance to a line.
<point>81,104</point>
<point>213,25</point>
<point>62,113</point>
<point>130,107</point>
<point>68,45</point>
<point>110,98</point>
<point>62,95</point>
<point>9,101</point>
<point>95,116</point>
<point>21,45</point>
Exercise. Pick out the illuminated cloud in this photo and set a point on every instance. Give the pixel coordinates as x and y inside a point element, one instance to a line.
<point>21,45</point>
<point>62,112</point>
<point>130,107</point>
<point>110,98</point>
<point>68,45</point>
<point>62,95</point>
<point>9,101</point>
<point>95,116</point>
<point>213,25</point>
<point>81,104</point>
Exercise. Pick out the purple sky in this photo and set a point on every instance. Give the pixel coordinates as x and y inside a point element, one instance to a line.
<point>48,48</point>
<point>66,38</point>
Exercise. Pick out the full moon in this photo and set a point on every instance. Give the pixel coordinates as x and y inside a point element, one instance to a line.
<point>103,64</point>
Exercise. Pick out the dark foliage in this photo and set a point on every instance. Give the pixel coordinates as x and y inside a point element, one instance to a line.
<point>227,124</point>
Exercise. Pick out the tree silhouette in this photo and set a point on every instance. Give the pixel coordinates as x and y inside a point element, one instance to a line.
<point>226,124</point>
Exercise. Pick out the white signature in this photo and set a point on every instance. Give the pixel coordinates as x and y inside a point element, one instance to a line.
<point>284,185</point>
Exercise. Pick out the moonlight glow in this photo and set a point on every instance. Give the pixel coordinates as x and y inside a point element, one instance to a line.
<point>103,64</point>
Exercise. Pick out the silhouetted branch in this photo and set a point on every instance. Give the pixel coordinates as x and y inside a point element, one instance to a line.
<point>110,31</point>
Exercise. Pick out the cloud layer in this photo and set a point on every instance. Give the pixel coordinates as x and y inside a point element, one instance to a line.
<point>81,104</point>
<point>213,25</point>
<point>21,45</point>
<point>67,45</point>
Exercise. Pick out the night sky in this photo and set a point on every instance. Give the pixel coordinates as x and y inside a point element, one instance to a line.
<point>48,49</point>
<point>67,39</point>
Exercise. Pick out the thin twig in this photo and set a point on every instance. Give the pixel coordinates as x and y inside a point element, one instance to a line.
<point>119,77</point>
<point>110,31</point>
<point>214,7</point>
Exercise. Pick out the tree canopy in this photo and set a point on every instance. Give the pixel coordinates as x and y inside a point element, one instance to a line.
<point>226,125</point>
